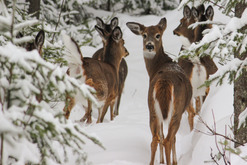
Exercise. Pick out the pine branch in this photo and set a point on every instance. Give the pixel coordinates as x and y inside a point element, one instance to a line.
<point>58,21</point>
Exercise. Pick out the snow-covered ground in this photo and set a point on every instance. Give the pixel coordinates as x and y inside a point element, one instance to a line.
<point>127,139</point>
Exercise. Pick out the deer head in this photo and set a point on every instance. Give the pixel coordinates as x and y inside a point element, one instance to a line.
<point>152,41</point>
<point>38,42</point>
<point>190,16</point>
<point>107,27</point>
<point>113,44</point>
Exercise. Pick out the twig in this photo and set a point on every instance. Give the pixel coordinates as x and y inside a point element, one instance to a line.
<point>214,133</point>
<point>216,4</point>
<point>213,157</point>
<point>12,23</point>
<point>1,162</point>
<point>58,21</point>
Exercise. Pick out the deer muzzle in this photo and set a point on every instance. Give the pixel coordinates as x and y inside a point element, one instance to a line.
<point>150,47</point>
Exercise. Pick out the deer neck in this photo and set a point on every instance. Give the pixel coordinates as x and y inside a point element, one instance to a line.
<point>112,55</point>
<point>154,64</point>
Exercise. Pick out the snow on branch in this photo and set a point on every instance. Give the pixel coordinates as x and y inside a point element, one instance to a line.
<point>242,118</point>
<point>31,126</point>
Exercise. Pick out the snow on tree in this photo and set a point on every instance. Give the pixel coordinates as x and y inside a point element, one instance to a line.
<point>31,130</point>
<point>228,43</point>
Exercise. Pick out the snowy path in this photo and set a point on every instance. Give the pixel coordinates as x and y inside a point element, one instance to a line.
<point>127,139</point>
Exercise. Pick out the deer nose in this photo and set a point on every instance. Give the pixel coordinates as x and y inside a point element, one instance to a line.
<point>149,46</point>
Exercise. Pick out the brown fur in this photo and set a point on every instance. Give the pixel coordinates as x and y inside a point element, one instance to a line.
<point>123,68</point>
<point>195,35</point>
<point>103,75</point>
<point>169,82</point>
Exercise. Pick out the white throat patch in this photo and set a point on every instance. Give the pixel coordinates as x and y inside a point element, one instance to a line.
<point>149,55</point>
<point>185,42</point>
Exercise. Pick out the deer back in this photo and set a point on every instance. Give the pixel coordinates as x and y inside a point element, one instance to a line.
<point>169,91</point>
<point>160,67</point>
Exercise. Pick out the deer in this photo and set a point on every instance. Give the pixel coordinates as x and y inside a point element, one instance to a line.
<point>37,44</point>
<point>101,75</point>
<point>169,91</point>
<point>197,69</point>
<point>123,68</point>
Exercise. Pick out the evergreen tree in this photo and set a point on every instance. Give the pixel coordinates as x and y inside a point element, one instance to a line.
<point>32,132</point>
<point>228,43</point>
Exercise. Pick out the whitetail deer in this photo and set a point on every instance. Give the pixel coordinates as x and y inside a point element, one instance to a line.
<point>197,69</point>
<point>169,92</point>
<point>101,75</point>
<point>123,68</point>
<point>38,43</point>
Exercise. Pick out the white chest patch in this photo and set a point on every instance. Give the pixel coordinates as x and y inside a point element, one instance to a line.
<point>149,55</point>
<point>198,78</point>
<point>185,42</point>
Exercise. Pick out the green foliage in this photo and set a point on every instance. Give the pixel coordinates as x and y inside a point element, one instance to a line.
<point>29,84</point>
<point>142,7</point>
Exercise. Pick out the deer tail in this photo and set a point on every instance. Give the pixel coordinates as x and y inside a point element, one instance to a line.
<point>72,54</point>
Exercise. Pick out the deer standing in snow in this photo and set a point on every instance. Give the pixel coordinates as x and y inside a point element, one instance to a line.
<point>123,68</point>
<point>169,91</point>
<point>197,69</point>
<point>101,75</point>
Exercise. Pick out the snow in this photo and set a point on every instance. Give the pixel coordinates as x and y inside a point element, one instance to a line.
<point>128,137</point>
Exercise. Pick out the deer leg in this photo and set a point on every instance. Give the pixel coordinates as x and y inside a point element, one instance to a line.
<point>169,141</point>
<point>155,129</point>
<point>191,114</point>
<point>198,104</point>
<point>174,155</point>
<point>161,144</point>
<point>70,103</point>
<point>207,92</point>
<point>154,144</point>
<point>88,114</point>
<point>102,113</point>
<point>116,110</point>
<point>167,145</point>
<point>111,109</point>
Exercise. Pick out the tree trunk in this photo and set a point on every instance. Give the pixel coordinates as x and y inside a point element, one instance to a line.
<point>240,90</point>
<point>108,5</point>
<point>34,7</point>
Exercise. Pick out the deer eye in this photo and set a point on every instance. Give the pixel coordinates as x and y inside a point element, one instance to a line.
<point>158,36</point>
<point>144,36</point>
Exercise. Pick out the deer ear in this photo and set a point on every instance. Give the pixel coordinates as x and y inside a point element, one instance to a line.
<point>201,9</point>
<point>136,28</point>
<point>100,23</point>
<point>39,39</point>
<point>187,12</point>
<point>101,32</point>
<point>117,34</point>
<point>114,23</point>
<point>195,13</point>
<point>210,13</point>
<point>162,23</point>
